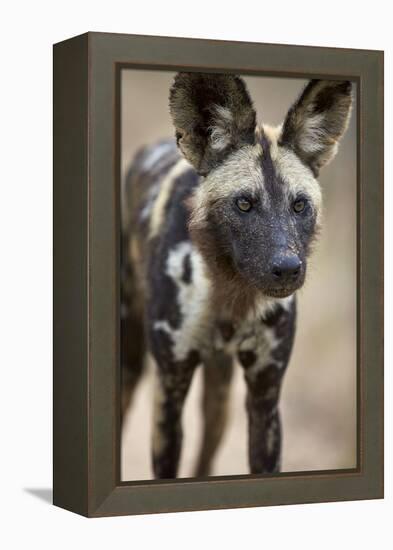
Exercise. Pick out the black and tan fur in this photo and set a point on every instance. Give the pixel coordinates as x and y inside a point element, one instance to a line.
<point>220,228</point>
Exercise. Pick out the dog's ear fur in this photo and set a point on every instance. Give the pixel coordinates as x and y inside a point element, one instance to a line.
<point>213,115</point>
<point>317,120</point>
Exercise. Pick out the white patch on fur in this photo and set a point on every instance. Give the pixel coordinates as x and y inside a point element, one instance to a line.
<point>224,114</point>
<point>219,139</point>
<point>249,343</point>
<point>158,211</point>
<point>253,336</point>
<point>265,305</point>
<point>272,133</point>
<point>153,158</point>
<point>193,300</point>
<point>266,342</point>
<point>220,130</point>
<point>312,134</point>
<point>164,326</point>
<point>151,197</point>
<point>155,154</point>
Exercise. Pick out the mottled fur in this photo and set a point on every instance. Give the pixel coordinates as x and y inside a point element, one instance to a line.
<point>206,282</point>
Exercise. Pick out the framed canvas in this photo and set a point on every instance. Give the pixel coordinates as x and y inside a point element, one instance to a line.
<point>171,254</point>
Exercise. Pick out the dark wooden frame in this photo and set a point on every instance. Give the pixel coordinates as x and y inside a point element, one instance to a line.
<point>86,260</point>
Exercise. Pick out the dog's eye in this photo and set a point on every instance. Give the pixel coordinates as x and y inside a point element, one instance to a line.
<point>299,205</point>
<point>243,204</point>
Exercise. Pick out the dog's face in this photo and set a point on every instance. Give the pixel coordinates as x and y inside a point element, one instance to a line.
<point>261,210</point>
<point>258,208</point>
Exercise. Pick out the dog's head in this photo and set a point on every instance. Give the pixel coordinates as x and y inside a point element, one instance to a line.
<point>258,207</point>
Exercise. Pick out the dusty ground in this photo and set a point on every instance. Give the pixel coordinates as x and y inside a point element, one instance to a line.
<point>318,401</point>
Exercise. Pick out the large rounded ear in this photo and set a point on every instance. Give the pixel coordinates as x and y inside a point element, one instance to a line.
<point>315,123</point>
<point>213,115</point>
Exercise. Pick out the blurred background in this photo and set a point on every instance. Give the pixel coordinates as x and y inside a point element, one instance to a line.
<point>318,400</point>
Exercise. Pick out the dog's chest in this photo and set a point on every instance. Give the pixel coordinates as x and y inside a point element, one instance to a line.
<point>247,335</point>
<point>206,326</point>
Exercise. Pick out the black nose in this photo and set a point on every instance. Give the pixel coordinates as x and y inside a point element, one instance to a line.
<point>286,268</point>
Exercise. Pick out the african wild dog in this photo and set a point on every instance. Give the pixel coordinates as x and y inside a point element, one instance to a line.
<point>214,251</point>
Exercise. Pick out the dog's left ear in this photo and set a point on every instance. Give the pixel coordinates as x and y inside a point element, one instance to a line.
<point>213,115</point>
<point>315,123</point>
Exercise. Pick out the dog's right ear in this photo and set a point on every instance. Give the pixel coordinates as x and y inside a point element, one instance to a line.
<point>213,115</point>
